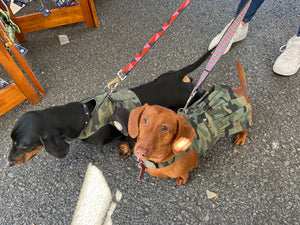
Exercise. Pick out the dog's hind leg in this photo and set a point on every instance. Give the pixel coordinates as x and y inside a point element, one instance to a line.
<point>240,91</point>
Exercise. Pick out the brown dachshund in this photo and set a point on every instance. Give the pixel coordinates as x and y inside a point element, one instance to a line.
<point>169,144</point>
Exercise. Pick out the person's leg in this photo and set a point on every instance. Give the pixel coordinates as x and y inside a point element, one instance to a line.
<point>288,63</point>
<point>254,6</point>
<point>242,30</point>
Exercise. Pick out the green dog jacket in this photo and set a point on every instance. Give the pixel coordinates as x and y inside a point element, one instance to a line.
<point>105,107</point>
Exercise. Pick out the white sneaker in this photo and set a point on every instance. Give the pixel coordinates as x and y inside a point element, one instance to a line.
<point>239,35</point>
<point>288,63</point>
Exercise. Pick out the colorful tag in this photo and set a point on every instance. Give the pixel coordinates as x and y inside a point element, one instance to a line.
<point>71,3</point>
<point>3,83</point>
<point>60,3</point>
<point>65,3</point>
<point>44,11</point>
<point>7,2</point>
<point>21,50</point>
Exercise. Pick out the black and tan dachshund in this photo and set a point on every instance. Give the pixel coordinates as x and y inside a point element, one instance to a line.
<point>51,127</point>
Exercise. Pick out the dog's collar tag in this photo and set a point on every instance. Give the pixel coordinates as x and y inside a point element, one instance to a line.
<point>142,168</point>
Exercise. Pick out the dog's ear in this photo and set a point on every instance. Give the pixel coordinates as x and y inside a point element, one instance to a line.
<point>54,144</point>
<point>134,119</point>
<point>184,137</point>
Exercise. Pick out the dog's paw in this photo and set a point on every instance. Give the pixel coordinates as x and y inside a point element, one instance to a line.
<point>125,150</point>
<point>241,137</point>
<point>182,179</point>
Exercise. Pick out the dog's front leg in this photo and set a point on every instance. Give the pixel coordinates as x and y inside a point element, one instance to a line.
<point>125,149</point>
<point>183,179</point>
<point>240,138</point>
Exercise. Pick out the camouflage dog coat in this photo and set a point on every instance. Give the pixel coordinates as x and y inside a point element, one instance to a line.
<point>105,107</point>
<point>218,113</point>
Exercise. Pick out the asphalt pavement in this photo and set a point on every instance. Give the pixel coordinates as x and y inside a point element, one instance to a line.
<point>258,183</point>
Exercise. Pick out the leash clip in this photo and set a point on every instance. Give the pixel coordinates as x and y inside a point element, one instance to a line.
<point>114,83</point>
<point>8,43</point>
<point>121,75</point>
<point>188,101</point>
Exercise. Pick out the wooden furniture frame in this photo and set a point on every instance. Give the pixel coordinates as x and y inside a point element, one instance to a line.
<point>21,89</point>
<point>83,12</point>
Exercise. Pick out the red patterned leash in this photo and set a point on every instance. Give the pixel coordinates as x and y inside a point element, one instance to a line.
<point>219,51</point>
<point>122,74</point>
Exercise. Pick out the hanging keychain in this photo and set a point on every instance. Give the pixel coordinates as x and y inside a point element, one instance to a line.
<point>21,49</point>
<point>44,10</point>
<point>7,2</point>
<point>3,84</point>
<point>65,3</point>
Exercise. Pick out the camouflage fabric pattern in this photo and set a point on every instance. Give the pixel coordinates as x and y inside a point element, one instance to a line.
<point>219,113</point>
<point>105,106</point>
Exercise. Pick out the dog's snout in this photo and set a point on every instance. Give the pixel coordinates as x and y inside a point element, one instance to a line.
<point>141,152</point>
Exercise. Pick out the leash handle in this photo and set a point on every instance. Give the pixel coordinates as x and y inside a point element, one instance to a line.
<point>123,73</point>
<point>219,50</point>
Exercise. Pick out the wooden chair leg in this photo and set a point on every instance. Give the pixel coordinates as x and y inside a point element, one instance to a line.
<point>89,13</point>
<point>17,75</point>
<point>94,13</point>
<point>22,61</point>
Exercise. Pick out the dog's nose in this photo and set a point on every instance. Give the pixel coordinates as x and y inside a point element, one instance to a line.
<point>141,152</point>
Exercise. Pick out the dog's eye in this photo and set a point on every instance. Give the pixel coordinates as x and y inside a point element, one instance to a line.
<point>164,129</point>
<point>145,121</point>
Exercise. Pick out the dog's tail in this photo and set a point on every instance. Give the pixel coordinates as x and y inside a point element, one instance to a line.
<point>190,68</point>
<point>242,89</point>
